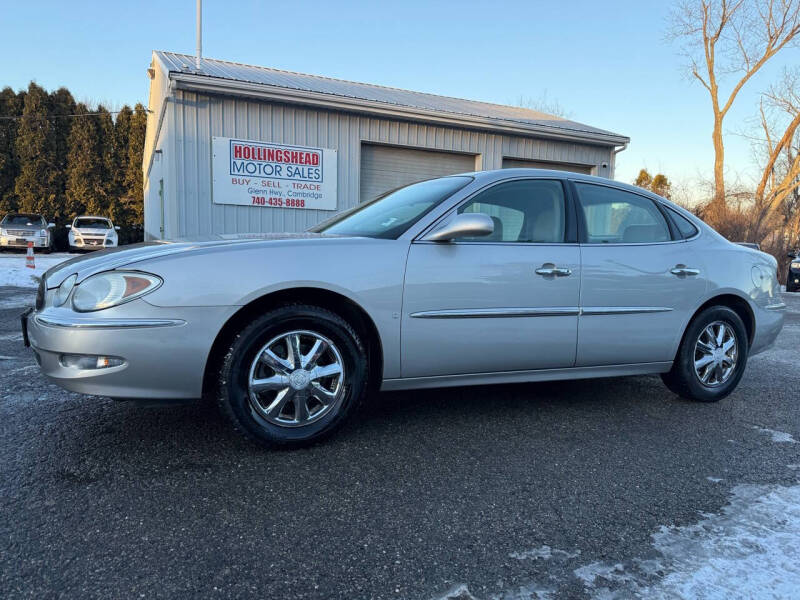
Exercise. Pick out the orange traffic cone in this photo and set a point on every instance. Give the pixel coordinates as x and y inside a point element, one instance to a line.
<point>29,258</point>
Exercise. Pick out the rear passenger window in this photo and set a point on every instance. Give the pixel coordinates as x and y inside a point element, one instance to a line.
<point>684,225</point>
<point>528,211</point>
<point>617,217</point>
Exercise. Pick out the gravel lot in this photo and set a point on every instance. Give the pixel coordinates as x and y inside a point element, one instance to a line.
<point>596,488</point>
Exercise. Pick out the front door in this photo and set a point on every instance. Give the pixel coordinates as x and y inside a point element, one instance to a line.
<point>505,302</point>
<point>640,280</point>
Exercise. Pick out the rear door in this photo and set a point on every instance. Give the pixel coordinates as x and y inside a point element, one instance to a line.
<point>640,278</point>
<point>506,302</point>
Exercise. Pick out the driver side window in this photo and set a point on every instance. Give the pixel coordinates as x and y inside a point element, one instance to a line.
<point>524,211</point>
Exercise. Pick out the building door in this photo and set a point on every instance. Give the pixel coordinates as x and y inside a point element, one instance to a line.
<point>518,163</point>
<point>384,168</point>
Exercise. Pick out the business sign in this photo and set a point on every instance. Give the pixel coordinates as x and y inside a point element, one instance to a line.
<point>251,173</point>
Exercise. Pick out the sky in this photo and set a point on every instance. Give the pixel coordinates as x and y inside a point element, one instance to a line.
<point>608,64</point>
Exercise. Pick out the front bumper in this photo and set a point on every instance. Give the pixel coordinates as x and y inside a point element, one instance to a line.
<point>8,241</point>
<point>164,350</point>
<point>92,243</point>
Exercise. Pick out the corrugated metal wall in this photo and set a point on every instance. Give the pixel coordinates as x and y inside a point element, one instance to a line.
<point>195,118</point>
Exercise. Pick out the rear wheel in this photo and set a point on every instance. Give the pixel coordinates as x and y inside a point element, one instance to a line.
<point>712,356</point>
<point>293,376</point>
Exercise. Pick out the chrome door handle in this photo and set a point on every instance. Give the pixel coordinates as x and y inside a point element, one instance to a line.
<point>684,270</point>
<point>549,269</point>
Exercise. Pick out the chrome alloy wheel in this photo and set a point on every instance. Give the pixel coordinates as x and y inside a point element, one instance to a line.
<point>296,378</point>
<point>715,354</point>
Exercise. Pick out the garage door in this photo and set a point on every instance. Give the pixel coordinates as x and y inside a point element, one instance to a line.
<point>385,168</point>
<point>517,163</point>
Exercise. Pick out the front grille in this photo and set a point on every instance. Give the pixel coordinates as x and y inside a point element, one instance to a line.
<point>40,295</point>
<point>21,232</point>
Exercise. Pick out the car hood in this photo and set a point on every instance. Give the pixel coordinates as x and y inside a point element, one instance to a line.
<point>114,258</point>
<point>92,230</point>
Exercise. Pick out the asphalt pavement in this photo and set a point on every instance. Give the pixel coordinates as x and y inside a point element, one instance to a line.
<point>488,492</point>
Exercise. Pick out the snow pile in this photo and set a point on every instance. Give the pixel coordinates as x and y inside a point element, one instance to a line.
<point>750,550</point>
<point>14,272</point>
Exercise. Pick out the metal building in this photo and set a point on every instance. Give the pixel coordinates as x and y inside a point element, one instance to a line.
<point>233,148</point>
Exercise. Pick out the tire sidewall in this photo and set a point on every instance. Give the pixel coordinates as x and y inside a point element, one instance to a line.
<point>236,370</point>
<point>686,353</point>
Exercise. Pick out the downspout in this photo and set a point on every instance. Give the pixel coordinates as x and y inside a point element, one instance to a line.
<point>614,161</point>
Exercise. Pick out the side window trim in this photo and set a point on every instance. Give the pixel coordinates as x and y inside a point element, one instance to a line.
<point>570,214</point>
<point>672,215</point>
<point>583,232</point>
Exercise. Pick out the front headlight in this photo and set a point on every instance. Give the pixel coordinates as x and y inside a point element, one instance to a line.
<point>43,233</point>
<point>796,265</point>
<point>112,288</point>
<point>3,232</point>
<point>62,293</point>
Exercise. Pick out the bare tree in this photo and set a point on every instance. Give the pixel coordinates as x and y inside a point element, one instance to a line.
<point>544,104</point>
<point>731,39</point>
<point>776,201</point>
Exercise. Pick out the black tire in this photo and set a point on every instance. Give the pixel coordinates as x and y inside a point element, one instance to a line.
<point>683,380</point>
<point>232,380</point>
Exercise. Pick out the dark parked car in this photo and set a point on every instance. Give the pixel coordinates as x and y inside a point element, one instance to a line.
<point>793,276</point>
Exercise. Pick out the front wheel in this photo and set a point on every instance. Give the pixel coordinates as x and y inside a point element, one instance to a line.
<point>712,356</point>
<point>293,376</point>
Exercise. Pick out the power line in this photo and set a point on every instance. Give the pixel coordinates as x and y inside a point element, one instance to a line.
<point>92,114</point>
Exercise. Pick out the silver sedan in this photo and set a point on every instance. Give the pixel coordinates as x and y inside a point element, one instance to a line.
<point>489,277</point>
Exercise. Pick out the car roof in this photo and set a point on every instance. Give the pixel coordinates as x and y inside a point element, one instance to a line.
<point>16,214</point>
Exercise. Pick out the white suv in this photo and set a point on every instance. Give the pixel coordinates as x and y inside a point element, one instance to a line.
<point>92,233</point>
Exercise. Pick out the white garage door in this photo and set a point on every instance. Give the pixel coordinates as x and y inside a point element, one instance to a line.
<point>517,163</point>
<point>385,168</point>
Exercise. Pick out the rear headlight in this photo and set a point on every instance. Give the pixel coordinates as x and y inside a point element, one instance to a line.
<point>112,288</point>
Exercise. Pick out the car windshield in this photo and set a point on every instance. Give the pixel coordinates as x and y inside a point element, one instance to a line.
<point>390,215</point>
<point>93,223</point>
<point>22,221</point>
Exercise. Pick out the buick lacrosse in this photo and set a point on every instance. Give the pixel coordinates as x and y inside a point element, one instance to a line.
<point>488,277</point>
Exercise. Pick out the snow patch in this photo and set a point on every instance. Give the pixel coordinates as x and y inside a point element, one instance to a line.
<point>751,549</point>
<point>14,272</point>
<point>714,479</point>
<point>459,592</point>
<point>17,300</point>
<point>543,552</point>
<point>779,437</point>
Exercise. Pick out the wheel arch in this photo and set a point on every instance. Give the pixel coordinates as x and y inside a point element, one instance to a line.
<point>736,303</point>
<point>344,306</point>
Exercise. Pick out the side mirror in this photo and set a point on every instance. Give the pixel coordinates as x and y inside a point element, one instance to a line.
<point>791,255</point>
<point>463,225</point>
<point>68,226</point>
<point>116,227</point>
<point>51,225</point>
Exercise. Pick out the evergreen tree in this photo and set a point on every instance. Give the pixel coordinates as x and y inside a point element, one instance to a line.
<point>36,185</point>
<point>104,124</point>
<point>62,105</point>
<point>134,179</point>
<point>86,189</point>
<point>10,106</point>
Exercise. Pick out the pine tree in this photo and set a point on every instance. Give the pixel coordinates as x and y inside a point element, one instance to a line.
<point>36,185</point>
<point>62,105</point>
<point>120,209</point>
<point>134,180</point>
<point>101,204</point>
<point>10,106</point>
<point>85,189</point>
